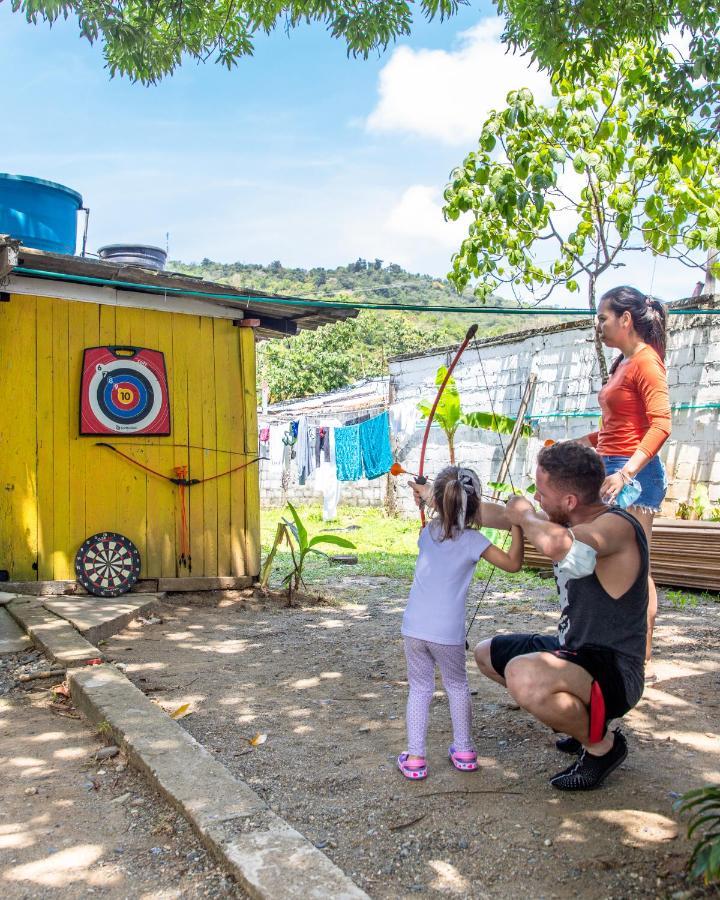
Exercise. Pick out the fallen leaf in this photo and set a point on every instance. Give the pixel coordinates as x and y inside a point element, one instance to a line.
<point>61,690</point>
<point>257,739</point>
<point>181,711</point>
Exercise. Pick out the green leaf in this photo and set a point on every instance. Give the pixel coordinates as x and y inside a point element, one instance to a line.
<point>493,422</point>
<point>301,530</point>
<point>331,539</point>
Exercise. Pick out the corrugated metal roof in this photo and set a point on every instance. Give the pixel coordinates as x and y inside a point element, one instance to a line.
<point>253,304</point>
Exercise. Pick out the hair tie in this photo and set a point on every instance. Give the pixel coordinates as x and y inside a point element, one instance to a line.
<point>467,483</point>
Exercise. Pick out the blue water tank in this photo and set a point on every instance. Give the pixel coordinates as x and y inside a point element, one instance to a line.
<point>39,213</point>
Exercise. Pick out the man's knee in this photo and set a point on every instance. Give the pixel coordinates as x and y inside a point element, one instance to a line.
<point>522,681</point>
<point>483,658</point>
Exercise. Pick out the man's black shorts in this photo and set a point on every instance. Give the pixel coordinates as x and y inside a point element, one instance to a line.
<point>599,662</point>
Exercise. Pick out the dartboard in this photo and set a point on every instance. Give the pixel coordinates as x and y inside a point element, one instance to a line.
<point>107,564</point>
<point>124,391</point>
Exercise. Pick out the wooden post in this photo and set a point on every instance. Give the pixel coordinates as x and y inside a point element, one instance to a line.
<point>517,430</point>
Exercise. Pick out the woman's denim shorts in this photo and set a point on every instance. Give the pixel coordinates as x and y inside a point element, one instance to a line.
<point>652,479</point>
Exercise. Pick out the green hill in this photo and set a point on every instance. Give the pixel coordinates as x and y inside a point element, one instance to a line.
<point>337,355</point>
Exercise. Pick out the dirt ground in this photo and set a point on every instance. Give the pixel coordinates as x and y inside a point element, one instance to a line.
<point>327,686</point>
<point>72,826</point>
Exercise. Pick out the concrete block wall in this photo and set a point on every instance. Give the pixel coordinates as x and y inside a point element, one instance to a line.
<point>354,493</point>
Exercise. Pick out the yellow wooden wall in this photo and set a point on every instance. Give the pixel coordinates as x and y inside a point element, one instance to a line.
<point>57,488</point>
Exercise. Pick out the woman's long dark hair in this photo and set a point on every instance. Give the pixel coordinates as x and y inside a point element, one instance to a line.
<point>456,496</point>
<point>649,317</point>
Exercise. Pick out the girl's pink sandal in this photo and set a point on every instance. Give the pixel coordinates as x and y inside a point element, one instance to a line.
<point>413,770</point>
<point>465,761</point>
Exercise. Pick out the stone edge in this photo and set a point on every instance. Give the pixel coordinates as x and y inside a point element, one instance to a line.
<point>244,856</point>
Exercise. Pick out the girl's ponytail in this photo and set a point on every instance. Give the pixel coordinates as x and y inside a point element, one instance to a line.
<point>457,494</point>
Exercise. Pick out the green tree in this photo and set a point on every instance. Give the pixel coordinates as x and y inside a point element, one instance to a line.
<point>147,39</point>
<point>572,37</point>
<point>306,364</point>
<point>578,184</point>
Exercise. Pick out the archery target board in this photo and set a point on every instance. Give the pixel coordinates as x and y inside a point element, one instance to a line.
<point>107,564</point>
<point>124,391</point>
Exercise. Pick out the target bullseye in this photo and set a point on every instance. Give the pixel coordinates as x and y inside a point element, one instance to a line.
<point>107,564</point>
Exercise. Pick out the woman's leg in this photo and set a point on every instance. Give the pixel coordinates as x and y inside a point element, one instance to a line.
<point>451,661</point>
<point>421,681</point>
<point>645,518</point>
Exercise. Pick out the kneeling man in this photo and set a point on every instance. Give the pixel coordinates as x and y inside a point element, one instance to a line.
<point>593,670</point>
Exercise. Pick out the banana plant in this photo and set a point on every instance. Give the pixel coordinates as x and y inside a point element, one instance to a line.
<point>300,545</point>
<point>450,416</point>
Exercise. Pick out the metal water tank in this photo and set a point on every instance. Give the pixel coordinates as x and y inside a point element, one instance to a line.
<point>134,255</point>
<point>41,214</point>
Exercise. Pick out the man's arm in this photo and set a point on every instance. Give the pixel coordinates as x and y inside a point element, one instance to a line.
<point>606,534</point>
<point>490,515</point>
<point>553,541</point>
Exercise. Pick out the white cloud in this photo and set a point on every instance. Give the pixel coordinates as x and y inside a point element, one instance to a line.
<point>418,214</point>
<point>446,95</point>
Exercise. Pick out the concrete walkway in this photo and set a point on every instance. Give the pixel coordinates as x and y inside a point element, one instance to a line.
<point>12,638</point>
<point>98,618</point>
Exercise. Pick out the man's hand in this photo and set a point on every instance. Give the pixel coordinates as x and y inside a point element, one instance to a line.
<point>422,493</point>
<point>612,486</point>
<point>517,508</point>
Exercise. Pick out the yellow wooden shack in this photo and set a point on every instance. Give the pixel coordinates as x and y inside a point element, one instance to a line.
<point>58,486</point>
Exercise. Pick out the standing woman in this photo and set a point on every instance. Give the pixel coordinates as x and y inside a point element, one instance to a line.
<point>635,408</point>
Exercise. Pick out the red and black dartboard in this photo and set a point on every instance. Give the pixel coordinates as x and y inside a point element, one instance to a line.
<point>107,564</point>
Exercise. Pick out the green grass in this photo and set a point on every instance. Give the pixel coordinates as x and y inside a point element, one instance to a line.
<point>385,547</point>
<point>680,599</point>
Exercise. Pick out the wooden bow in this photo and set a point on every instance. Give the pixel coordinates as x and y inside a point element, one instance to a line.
<point>421,479</point>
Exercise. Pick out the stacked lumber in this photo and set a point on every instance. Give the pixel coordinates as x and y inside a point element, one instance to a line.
<point>683,554</point>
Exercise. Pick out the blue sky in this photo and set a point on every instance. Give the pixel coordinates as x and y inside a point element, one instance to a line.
<point>298,154</point>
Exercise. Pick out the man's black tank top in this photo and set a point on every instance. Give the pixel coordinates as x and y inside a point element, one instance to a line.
<point>591,617</point>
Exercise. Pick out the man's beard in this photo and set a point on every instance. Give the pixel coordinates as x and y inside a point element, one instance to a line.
<point>557,516</point>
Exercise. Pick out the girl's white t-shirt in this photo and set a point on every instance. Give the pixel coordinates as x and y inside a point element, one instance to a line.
<point>436,607</point>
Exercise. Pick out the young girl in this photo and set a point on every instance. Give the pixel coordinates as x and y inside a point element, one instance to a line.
<point>434,621</point>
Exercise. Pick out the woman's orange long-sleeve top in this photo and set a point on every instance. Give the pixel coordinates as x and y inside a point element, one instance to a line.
<point>635,407</point>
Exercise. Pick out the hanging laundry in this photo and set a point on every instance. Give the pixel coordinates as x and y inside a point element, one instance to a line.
<point>348,458</point>
<point>276,446</point>
<point>264,434</point>
<point>304,450</point>
<point>403,421</point>
<point>375,446</point>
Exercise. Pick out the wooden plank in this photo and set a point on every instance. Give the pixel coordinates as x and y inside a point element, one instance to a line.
<point>252,472</point>
<point>18,460</point>
<point>132,483</point>
<point>160,495</point>
<point>238,446</point>
<point>107,466</point>
<point>177,384</point>
<point>202,583</point>
<point>195,494</point>
<point>100,463</point>
<point>223,337</point>
<point>62,425</point>
<point>208,415</point>
<point>180,422</point>
<point>45,438</point>
<point>77,447</point>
